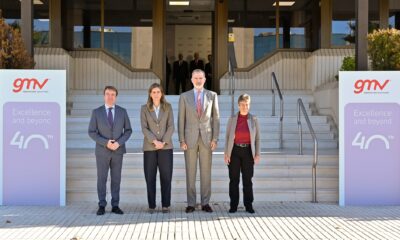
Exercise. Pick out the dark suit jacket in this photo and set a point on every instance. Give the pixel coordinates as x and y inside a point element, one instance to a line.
<point>208,70</point>
<point>180,72</point>
<point>101,131</point>
<point>199,65</point>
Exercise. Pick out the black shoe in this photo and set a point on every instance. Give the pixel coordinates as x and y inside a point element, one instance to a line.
<point>207,208</point>
<point>117,210</point>
<point>232,210</point>
<point>189,209</point>
<point>101,211</point>
<point>250,210</point>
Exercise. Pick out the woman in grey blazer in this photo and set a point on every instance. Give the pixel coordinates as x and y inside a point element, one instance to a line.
<point>242,150</point>
<point>157,123</point>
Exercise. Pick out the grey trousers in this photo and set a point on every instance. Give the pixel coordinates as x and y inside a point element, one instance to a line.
<point>202,153</point>
<point>113,163</point>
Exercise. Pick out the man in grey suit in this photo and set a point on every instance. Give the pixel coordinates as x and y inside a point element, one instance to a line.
<point>110,128</point>
<point>198,128</point>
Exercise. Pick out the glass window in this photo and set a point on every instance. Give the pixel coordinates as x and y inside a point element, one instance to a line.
<point>392,22</point>
<point>41,32</point>
<point>127,30</point>
<point>254,28</point>
<point>343,32</point>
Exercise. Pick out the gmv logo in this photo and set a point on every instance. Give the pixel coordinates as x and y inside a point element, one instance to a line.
<point>362,85</point>
<point>28,84</point>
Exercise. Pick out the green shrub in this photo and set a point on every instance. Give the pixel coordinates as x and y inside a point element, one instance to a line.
<point>13,54</point>
<point>348,64</point>
<point>384,49</point>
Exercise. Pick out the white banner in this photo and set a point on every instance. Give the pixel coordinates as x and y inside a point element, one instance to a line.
<point>369,129</point>
<point>32,143</point>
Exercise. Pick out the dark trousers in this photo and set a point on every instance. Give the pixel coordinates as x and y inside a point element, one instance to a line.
<point>163,160</point>
<point>113,162</point>
<point>180,82</point>
<point>241,161</point>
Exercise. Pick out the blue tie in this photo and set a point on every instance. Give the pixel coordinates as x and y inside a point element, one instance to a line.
<point>110,117</point>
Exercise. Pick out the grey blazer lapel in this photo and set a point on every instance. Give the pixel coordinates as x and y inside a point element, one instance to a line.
<point>103,113</point>
<point>190,99</point>
<point>251,126</point>
<point>153,115</point>
<point>206,101</point>
<point>233,126</point>
<point>160,114</point>
<point>118,116</point>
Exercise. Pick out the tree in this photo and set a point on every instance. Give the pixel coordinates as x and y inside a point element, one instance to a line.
<point>13,54</point>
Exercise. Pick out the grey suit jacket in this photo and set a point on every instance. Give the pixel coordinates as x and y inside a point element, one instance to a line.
<point>160,128</point>
<point>101,131</point>
<point>254,129</point>
<point>190,125</point>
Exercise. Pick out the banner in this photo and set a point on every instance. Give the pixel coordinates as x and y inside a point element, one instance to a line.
<point>32,143</point>
<point>369,138</point>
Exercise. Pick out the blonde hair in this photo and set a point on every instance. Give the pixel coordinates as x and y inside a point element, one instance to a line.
<point>244,98</point>
<point>163,102</point>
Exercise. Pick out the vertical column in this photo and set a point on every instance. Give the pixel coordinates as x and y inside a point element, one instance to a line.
<point>384,14</point>
<point>86,29</point>
<point>277,24</point>
<point>220,41</point>
<point>158,59</point>
<point>326,23</point>
<point>314,28</point>
<point>67,21</point>
<point>361,35</point>
<point>102,24</point>
<point>27,24</point>
<point>286,32</point>
<point>55,23</point>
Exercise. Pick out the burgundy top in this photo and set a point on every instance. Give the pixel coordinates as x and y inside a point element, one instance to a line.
<point>242,133</point>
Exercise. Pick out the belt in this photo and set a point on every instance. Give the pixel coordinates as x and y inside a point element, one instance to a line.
<point>242,145</point>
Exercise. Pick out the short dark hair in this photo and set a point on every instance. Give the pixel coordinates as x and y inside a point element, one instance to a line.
<point>112,88</point>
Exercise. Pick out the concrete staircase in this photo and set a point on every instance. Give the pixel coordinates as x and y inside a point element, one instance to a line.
<point>282,175</point>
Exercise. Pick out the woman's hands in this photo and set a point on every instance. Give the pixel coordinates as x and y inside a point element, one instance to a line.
<point>158,145</point>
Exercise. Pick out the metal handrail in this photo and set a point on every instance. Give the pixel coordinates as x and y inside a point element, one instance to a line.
<point>301,108</point>
<point>275,84</point>
<point>231,86</point>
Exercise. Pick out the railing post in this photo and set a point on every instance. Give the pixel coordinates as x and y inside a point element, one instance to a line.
<point>273,94</point>
<point>314,171</point>
<point>281,126</point>
<point>299,128</point>
<point>300,107</point>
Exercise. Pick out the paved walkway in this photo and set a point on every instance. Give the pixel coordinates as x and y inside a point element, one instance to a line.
<point>271,221</point>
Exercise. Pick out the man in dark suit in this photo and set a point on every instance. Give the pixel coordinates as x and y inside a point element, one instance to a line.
<point>196,63</point>
<point>110,128</point>
<point>180,74</point>
<point>208,71</point>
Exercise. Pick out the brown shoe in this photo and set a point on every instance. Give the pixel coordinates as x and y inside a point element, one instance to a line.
<point>207,208</point>
<point>189,209</point>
